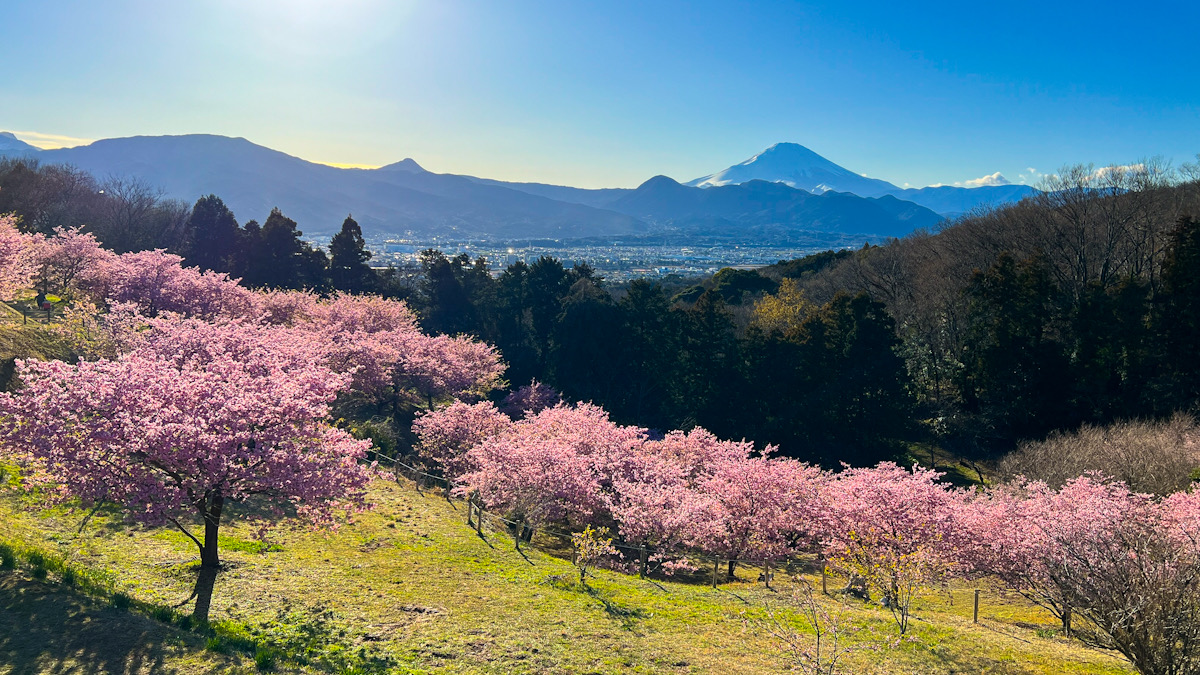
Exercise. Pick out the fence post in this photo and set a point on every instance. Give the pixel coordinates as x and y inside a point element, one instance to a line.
<point>470,510</point>
<point>976,605</point>
<point>824,586</point>
<point>642,567</point>
<point>716,570</point>
<point>479,518</point>
<point>767,574</point>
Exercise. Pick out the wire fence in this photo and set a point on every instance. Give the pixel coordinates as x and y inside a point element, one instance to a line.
<point>25,313</point>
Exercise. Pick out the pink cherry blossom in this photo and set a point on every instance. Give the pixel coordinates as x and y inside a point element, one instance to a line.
<point>18,257</point>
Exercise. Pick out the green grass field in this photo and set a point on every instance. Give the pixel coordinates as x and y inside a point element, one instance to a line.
<point>408,587</point>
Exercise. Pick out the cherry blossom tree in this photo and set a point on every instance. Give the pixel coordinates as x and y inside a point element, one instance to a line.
<point>894,528</point>
<point>70,262</point>
<point>557,464</point>
<point>1027,555</point>
<point>156,281</point>
<point>1126,563</point>
<point>18,257</point>
<point>442,366</point>
<point>658,502</point>
<point>194,417</point>
<point>755,508</point>
<point>447,434</point>
<point>379,341</point>
<point>530,400</point>
<point>654,502</point>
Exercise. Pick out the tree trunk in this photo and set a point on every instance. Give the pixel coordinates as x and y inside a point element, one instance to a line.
<point>210,562</point>
<point>732,566</point>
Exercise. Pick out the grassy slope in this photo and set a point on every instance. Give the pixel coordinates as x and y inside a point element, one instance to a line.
<point>46,628</point>
<point>410,582</point>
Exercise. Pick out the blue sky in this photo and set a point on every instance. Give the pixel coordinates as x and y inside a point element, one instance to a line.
<point>599,94</point>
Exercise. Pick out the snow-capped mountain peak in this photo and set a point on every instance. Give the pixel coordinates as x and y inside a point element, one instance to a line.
<point>796,166</point>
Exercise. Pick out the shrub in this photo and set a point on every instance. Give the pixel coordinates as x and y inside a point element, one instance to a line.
<point>1155,457</point>
<point>121,601</point>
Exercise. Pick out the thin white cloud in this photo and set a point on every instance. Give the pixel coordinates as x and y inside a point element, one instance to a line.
<point>983,181</point>
<point>990,180</point>
<point>1104,171</point>
<point>50,141</point>
<point>1029,175</point>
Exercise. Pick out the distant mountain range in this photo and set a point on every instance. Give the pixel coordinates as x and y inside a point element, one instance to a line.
<point>783,191</point>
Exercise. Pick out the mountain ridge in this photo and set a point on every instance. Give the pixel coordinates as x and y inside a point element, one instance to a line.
<point>403,198</point>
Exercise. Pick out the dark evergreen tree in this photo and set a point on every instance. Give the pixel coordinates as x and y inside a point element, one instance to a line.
<point>586,345</point>
<point>348,256</point>
<point>1015,378</point>
<point>649,355</point>
<point>514,330</point>
<point>1110,352</point>
<point>831,387</point>
<point>447,304</point>
<point>276,257</point>
<point>709,380</point>
<point>214,235</point>
<point>1177,318</point>
<point>546,284</point>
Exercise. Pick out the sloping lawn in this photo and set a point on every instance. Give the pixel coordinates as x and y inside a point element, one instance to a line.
<point>408,587</point>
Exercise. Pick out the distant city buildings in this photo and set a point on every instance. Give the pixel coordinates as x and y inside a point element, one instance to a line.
<point>616,261</point>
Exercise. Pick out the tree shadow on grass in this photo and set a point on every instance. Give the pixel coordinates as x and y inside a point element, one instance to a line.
<point>626,615</point>
<point>48,629</point>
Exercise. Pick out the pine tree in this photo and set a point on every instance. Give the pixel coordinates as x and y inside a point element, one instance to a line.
<point>277,257</point>
<point>348,269</point>
<point>214,235</point>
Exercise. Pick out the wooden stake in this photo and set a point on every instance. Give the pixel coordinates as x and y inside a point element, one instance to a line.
<point>976,605</point>
<point>642,568</point>
<point>716,570</point>
<point>767,574</point>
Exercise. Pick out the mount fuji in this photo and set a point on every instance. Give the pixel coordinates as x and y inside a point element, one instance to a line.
<point>796,166</point>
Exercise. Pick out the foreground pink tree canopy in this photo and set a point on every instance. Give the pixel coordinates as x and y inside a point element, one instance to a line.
<point>193,417</point>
